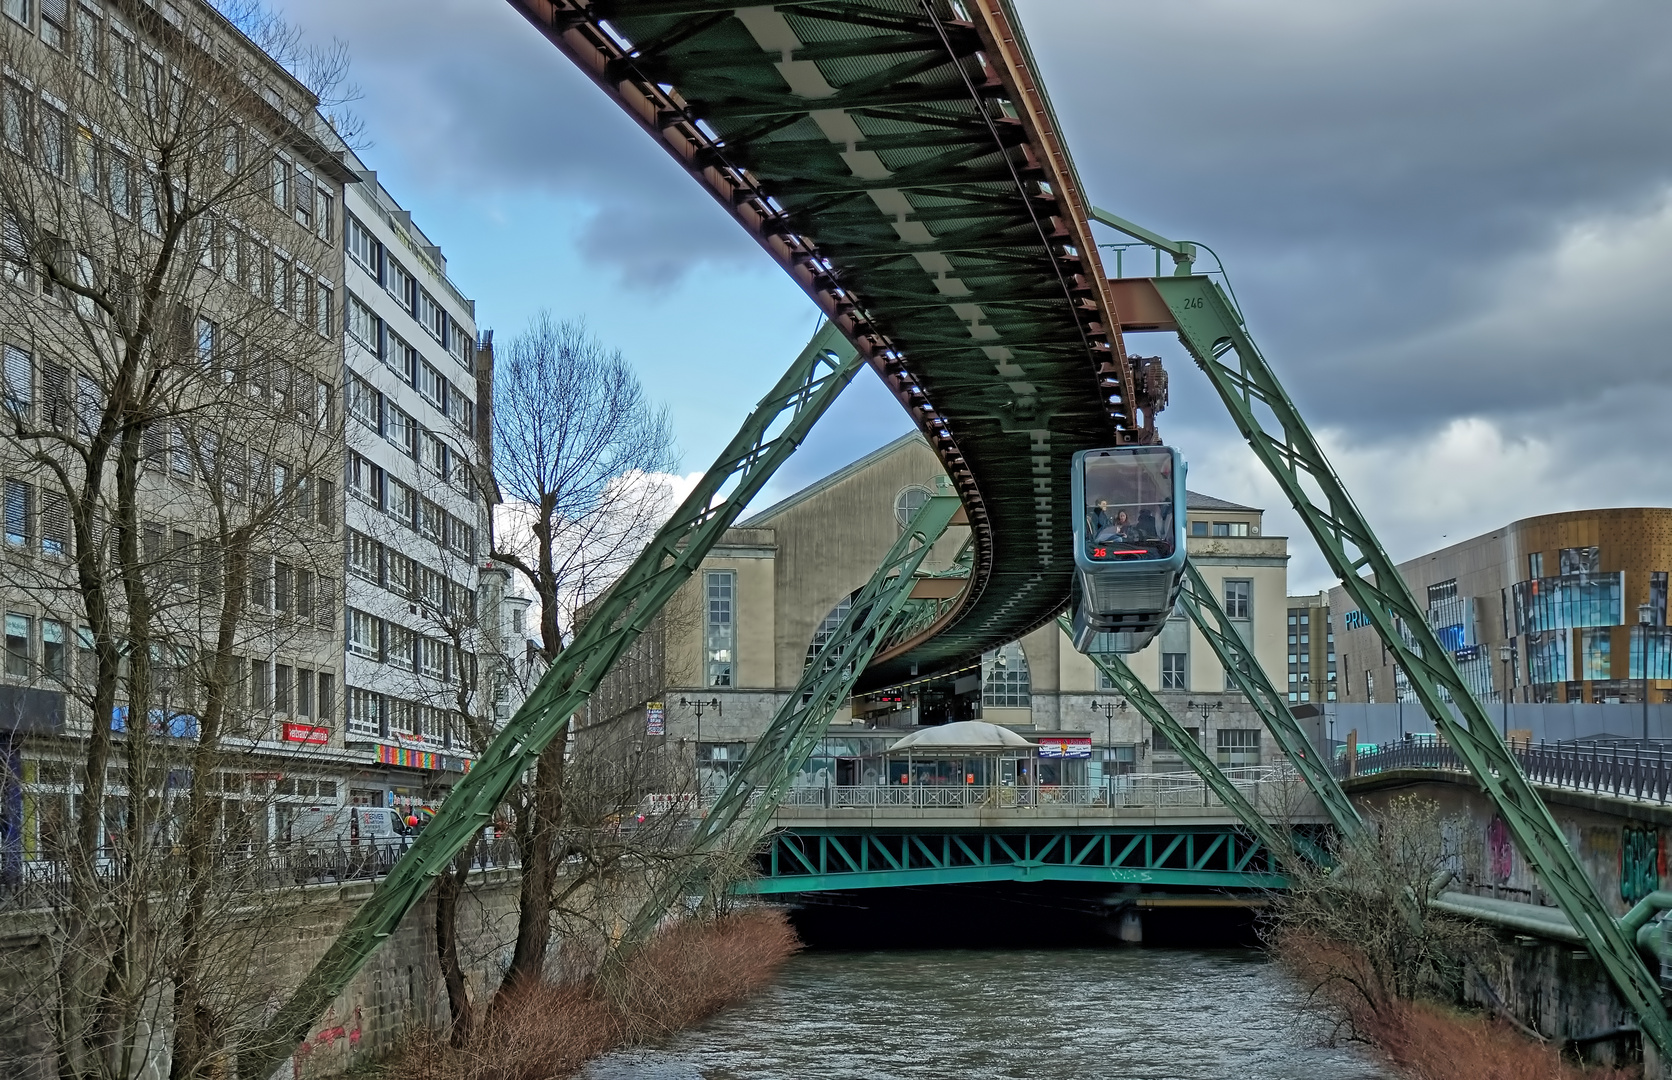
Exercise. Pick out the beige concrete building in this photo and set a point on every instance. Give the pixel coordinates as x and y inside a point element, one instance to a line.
<point>741,633</point>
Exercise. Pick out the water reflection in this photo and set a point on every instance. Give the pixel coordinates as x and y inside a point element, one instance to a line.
<point>1046,1015</point>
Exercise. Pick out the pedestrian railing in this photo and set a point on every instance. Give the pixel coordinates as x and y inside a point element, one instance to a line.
<point>1129,791</point>
<point>1622,770</point>
<point>28,884</point>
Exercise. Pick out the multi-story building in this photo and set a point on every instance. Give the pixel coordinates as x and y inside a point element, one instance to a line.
<point>1560,608</point>
<point>226,395</point>
<point>1311,650</point>
<point>416,515</point>
<point>778,584</point>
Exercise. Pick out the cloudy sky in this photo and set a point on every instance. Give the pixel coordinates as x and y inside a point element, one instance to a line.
<point>1450,227</point>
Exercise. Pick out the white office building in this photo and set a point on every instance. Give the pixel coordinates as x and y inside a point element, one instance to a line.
<point>416,517</point>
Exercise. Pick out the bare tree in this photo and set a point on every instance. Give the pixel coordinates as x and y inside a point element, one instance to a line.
<point>1363,933</point>
<point>172,445</point>
<point>574,437</point>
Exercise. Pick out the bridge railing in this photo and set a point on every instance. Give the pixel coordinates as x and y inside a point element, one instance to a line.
<point>1622,770</point>
<point>33,884</point>
<point>1265,785</point>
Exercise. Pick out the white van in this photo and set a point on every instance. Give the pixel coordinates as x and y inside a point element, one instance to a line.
<point>336,826</point>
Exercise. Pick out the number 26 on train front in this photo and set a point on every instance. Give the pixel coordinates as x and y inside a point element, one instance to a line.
<point>1129,506</point>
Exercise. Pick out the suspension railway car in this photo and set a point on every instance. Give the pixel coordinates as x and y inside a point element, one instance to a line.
<point>1129,506</point>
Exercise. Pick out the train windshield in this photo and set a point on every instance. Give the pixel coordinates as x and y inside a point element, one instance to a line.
<point>1129,503</point>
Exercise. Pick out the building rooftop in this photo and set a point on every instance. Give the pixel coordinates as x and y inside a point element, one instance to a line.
<point>1195,500</point>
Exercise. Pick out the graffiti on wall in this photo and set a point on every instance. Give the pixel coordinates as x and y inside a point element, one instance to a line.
<point>1639,863</point>
<point>1500,851</point>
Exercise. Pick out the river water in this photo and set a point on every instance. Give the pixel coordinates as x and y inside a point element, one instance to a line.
<point>1123,1014</point>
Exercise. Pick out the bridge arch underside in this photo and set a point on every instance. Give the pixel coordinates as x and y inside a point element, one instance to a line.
<point>1194,857</point>
<point>902,163</point>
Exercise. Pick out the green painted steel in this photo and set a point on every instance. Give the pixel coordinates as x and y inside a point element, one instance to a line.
<point>1211,328</point>
<point>743,811</point>
<point>1197,856</point>
<point>1111,665</point>
<point>768,437</point>
<point>883,154</point>
<point>1202,607</point>
<point>1183,252</point>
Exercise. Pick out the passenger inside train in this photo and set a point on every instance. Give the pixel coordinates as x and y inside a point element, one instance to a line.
<point>1129,499</point>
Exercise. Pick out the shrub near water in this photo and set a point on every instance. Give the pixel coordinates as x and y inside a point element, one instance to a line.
<point>542,1031</point>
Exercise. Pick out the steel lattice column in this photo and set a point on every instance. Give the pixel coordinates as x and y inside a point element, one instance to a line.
<point>768,437</point>
<point>1212,330</point>
<point>1156,713</point>
<point>826,682</point>
<point>1239,660</point>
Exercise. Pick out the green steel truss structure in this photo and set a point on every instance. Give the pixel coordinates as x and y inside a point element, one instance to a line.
<point>743,811</point>
<point>1210,326</point>
<point>1204,766</point>
<point>1199,603</point>
<point>1185,856</point>
<point>767,438</point>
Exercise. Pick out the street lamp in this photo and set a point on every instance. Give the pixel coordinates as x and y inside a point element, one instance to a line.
<point>1203,709</point>
<point>1108,709</point>
<point>699,706</point>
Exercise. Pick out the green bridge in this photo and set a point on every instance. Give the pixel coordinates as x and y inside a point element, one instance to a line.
<point>1194,856</point>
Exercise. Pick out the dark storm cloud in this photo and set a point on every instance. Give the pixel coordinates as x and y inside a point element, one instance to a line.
<point>1377,174</point>
<point>474,99</point>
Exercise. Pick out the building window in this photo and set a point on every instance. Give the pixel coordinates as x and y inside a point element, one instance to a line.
<point>720,628</point>
<point>1572,600</point>
<point>827,629</point>
<point>363,401</point>
<point>1238,747</point>
<point>363,246</point>
<point>1230,528</point>
<point>1160,744</point>
<point>19,495</point>
<point>1239,594</point>
<point>908,502</point>
<point>1198,528</point>
<point>1173,675</point>
<point>1596,646</point>
<point>17,645</point>
<point>53,660</point>
<point>365,634</point>
<point>1581,560</point>
<point>1005,683</point>
<point>363,324</point>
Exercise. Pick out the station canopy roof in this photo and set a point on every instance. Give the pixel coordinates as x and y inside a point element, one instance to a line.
<point>963,735</point>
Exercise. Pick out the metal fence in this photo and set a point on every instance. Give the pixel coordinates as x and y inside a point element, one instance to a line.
<point>1622,770</point>
<point>1129,791</point>
<point>31,884</point>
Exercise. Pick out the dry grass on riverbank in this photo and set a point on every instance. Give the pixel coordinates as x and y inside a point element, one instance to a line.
<point>1423,1040</point>
<point>689,972</point>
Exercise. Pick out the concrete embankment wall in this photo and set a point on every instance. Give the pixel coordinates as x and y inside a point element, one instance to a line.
<point>1554,987</point>
<point>399,990</point>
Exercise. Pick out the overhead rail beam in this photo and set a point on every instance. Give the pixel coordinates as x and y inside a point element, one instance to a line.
<point>1210,327</point>
<point>1183,252</point>
<point>901,161</point>
<point>1239,661</point>
<point>768,437</point>
<point>741,815</point>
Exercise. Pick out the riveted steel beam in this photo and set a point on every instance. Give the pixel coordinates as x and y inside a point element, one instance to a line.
<point>1156,713</point>
<point>767,439</point>
<point>1239,662</point>
<point>1212,330</point>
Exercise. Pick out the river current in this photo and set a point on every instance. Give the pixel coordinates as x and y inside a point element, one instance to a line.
<point>1122,1014</point>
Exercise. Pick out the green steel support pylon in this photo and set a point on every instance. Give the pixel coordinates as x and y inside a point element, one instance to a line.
<point>1279,845</point>
<point>1239,661</point>
<point>768,437</point>
<point>1212,330</point>
<point>802,720</point>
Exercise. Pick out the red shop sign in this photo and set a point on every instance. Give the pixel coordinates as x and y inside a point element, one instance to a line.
<point>306,733</point>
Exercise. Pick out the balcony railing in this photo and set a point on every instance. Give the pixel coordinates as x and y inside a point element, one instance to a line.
<point>1621,770</point>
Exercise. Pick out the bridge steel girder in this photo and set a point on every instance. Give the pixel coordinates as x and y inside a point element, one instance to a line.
<point>1210,326</point>
<point>826,682</point>
<point>1239,660</point>
<point>1202,856</point>
<point>767,438</point>
<point>1112,666</point>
